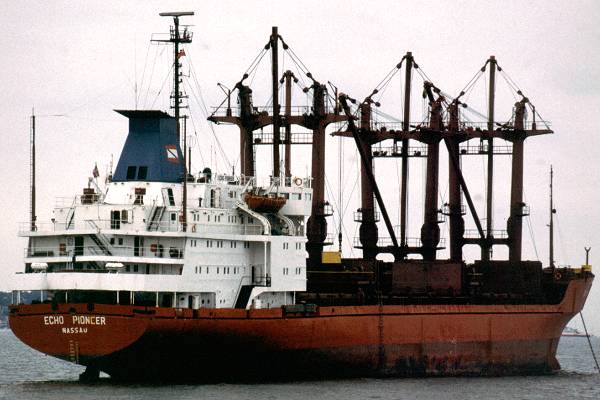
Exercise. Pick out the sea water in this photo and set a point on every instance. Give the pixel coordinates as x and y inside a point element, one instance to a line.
<point>27,374</point>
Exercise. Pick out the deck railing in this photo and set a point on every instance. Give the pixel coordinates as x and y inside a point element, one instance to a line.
<point>154,251</point>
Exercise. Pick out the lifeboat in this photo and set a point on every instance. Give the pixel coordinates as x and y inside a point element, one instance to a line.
<point>264,204</point>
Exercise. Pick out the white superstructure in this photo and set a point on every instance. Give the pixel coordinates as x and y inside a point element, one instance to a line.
<point>126,244</point>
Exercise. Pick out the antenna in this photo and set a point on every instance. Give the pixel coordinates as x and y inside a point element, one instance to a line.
<point>551,224</point>
<point>177,38</point>
<point>176,13</point>
<point>33,217</point>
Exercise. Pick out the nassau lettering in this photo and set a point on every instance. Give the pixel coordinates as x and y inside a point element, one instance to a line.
<point>75,329</point>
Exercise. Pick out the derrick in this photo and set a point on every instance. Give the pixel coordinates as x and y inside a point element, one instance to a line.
<point>444,122</point>
<point>250,118</point>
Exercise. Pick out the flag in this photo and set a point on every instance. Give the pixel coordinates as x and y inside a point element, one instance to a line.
<point>181,54</point>
<point>95,172</point>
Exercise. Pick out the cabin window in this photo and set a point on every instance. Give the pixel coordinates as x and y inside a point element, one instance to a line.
<point>212,198</point>
<point>296,196</point>
<point>78,246</point>
<point>139,196</point>
<point>138,246</point>
<point>120,241</point>
<point>115,219</point>
<point>307,196</point>
<point>142,173</point>
<point>171,197</point>
<point>131,172</point>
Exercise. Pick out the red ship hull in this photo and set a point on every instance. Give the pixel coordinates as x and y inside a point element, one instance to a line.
<point>144,343</point>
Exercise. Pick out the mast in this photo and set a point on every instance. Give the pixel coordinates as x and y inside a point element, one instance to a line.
<point>32,170</point>
<point>368,231</point>
<point>405,128</point>
<point>457,224</point>
<point>517,211</point>
<point>287,77</point>
<point>176,38</point>
<point>487,248</point>
<point>275,79</point>
<point>551,224</point>
<point>430,230</point>
<point>185,175</point>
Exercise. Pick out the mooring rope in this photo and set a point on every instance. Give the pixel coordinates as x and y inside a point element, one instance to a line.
<point>587,335</point>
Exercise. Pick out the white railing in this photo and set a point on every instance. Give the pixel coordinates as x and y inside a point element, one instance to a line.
<point>243,229</point>
<point>164,226</point>
<point>270,182</point>
<point>56,226</point>
<point>158,251</point>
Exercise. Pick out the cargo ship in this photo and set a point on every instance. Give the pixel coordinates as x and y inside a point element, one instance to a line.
<point>167,275</point>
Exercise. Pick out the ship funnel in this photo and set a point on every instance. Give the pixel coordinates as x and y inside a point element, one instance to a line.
<point>151,152</point>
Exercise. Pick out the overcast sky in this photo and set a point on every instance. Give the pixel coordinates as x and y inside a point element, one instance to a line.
<point>84,59</point>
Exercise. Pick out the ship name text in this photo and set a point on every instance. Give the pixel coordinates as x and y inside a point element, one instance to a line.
<point>77,320</point>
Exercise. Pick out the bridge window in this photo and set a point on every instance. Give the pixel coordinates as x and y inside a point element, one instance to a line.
<point>142,173</point>
<point>131,170</point>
